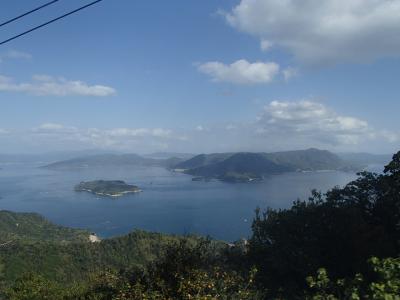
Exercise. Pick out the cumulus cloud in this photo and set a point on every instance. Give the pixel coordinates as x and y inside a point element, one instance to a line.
<point>43,85</point>
<point>240,71</point>
<point>139,132</point>
<point>54,128</point>
<point>129,139</point>
<point>328,31</point>
<point>312,122</point>
<point>280,125</point>
<point>288,125</point>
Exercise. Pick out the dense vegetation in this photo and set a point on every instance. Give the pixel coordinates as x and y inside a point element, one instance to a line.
<point>31,227</point>
<point>340,245</point>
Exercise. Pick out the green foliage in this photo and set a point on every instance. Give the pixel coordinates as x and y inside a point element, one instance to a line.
<point>387,285</point>
<point>76,261</point>
<point>31,227</point>
<point>323,288</point>
<point>186,270</point>
<point>340,231</point>
<point>384,286</point>
<point>34,287</point>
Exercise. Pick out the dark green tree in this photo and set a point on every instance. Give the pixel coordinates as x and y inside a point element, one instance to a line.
<point>339,231</point>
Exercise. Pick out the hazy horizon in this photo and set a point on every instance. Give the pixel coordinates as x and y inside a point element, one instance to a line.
<point>102,151</point>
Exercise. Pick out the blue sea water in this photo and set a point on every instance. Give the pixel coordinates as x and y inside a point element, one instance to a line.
<point>170,202</point>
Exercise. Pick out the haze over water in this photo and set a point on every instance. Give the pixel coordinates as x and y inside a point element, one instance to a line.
<point>170,202</point>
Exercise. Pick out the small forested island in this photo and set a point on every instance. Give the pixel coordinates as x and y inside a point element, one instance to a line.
<point>111,188</point>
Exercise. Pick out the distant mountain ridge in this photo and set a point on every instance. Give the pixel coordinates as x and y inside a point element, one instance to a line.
<point>166,155</point>
<point>248,166</point>
<point>202,160</point>
<point>112,160</point>
<point>229,166</point>
<point>308,160</point>
<point>47,157</point>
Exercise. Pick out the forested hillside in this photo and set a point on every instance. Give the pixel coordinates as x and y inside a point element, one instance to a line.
<point>247,166</point>
<point>31,227</point>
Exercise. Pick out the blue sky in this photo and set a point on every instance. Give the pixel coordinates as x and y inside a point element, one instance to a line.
<point>202,76</point>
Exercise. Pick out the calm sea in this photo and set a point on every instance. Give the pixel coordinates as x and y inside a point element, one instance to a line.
<point>170,202</point>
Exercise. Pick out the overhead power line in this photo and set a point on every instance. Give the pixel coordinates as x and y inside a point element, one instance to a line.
<point>28,13</point>
<point>49,22</point>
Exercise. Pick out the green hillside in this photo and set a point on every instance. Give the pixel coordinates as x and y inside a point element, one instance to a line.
<point>76,261</point>
<point>31,227</point>
<point>202,160</point>
<point>247,166</point>
<point>250,164</point>
<point>310,159</point>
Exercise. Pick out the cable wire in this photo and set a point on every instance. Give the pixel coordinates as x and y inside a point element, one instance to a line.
<point>49,22</point>
<point>28,13</point>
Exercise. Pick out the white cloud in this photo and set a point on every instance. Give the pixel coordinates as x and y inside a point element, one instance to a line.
<point>54,128</point>
<point>289,73</point>
<point>43,85</point>
<point>199,128</point>
<point>328,31</point>
<point>281,125</point>
<point>18,55</point>
<point>3,131</point>
<point>14,54</point>
<point>265,45</point>
<point>392,137</point>
<point>311,122</point>
<point>241,71</point>
<point>50,126</point>
<point>128,139</point>
<point>139,132</point>
<point>289,125</point>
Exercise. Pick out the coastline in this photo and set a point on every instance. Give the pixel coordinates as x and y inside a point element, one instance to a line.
<point>119,194</point>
